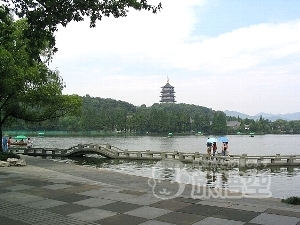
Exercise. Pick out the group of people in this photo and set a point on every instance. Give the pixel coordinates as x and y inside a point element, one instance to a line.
<point>7,142</point>
<point>212,149</point>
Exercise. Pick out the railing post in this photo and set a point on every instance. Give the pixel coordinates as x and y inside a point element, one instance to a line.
<point>242,160</point>
<point>181,157</point>
<point>290,160</point>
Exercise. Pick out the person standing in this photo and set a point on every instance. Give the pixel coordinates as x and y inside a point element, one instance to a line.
<point>4,144</point>
<point>225,150</point>
<point>29,143</point>
<point>208,150</point>
<point>214,148</point>
<point>9,142</point>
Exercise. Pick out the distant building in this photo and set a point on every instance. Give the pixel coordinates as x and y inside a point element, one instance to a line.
<point>167,93</point>
<point>233,124</point>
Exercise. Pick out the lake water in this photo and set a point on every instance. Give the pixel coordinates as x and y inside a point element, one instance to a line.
<point>277,182</point>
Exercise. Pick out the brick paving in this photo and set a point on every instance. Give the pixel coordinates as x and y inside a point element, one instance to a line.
<point>47,192</point>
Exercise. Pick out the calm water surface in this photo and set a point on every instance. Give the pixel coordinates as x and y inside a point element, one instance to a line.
<point>282,181</point>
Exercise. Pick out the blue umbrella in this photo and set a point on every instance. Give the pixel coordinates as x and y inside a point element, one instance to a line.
<point>211,140</point>
<point>223,139</point>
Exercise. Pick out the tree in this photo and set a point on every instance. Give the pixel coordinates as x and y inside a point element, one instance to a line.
<point>44,16</point>
<point>29,90</point>
<point>219,125</point>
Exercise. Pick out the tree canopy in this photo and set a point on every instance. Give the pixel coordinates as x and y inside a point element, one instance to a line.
<point>44,16</point>
<point>29,90</point>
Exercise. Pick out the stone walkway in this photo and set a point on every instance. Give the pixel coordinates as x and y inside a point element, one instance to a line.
<point>46,192</point>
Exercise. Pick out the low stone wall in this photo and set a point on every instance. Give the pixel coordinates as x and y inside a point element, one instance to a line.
<point>13,162</point>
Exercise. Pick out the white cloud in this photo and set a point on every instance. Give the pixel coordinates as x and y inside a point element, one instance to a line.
<point>129,59</point>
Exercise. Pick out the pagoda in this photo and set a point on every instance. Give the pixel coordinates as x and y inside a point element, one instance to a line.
<point>167,93</point>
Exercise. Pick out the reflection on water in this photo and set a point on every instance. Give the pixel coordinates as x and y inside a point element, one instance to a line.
<point>279,182</point>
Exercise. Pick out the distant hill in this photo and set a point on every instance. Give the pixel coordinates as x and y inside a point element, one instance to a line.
<point>269,116</point>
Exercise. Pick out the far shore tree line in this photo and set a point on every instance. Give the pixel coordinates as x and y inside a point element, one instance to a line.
<point>110,116</point>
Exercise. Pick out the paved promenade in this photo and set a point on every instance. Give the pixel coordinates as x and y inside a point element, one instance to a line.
<point>47,192</point>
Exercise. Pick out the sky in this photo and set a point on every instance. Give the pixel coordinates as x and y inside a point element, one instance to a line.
<point>224,55</point>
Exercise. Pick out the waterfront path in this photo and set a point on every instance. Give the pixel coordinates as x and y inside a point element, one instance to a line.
<point>47,192</point>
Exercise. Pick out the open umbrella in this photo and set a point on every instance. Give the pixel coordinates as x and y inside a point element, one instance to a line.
<point>211,140</point>
<point>223,139</point>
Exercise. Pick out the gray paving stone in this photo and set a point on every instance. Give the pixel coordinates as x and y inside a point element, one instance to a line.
<point>253,208</point>
<point>180,218</point>
<point>170,204</point>
<point>142,200</point>
<point>236,214</point>
<point>70,197</point>
<point>96,193</point>
<point>68,209</point>
<point>215,203</point>
<point>272,219</point>
<point>118,196</point>
<point>57,186</point>
<point>155,222</point>
<point>8,221</point>
<point>218,221</point>
<point>20,198</point>
<point>94,202</point>
<point>44,204</point>
<point>120,207</point>
<point>92,214</point>
<point>122,219</point>
<point>148,212</point>
<point>18,187</point>
<point>204,210</point>
<point>283,212</point>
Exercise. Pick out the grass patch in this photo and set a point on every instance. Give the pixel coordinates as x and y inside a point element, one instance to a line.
<point>294,200</point>
<point>5,155</point>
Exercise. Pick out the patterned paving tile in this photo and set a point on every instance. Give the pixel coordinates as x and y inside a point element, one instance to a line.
<point>21,198</point>
<point>118,196</point>
<point>132,192</point>
<point>283,212</point>
<point>235,214</point>
<point>148,212</point>
<point>187,200</point>
<point>122,219</point>
<point>94,202</point>
<point>142,200</point>
<point>170,204</point>
<point>70,198</point>
<point>8,221</point>
<point>272,219</point>
<point>180,218</point>
<point>57,186</point>
<point>204,210</point>
<point>67,209</point>
<point>44,204</point>
<point>92,214</point>
<point>218,221</point>
<point>19,187</point>
<point>155,222</point>
<point>120,207</point>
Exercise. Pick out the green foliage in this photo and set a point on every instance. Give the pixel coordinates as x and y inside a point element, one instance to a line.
<point>5,155</point>
<point>45,16</point>
<point>29,90</point>
<point>292,200</point>
<point>219,125</point>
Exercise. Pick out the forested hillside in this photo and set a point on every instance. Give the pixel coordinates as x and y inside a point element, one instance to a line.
<point>101,115</point>
<point>109,115</point>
